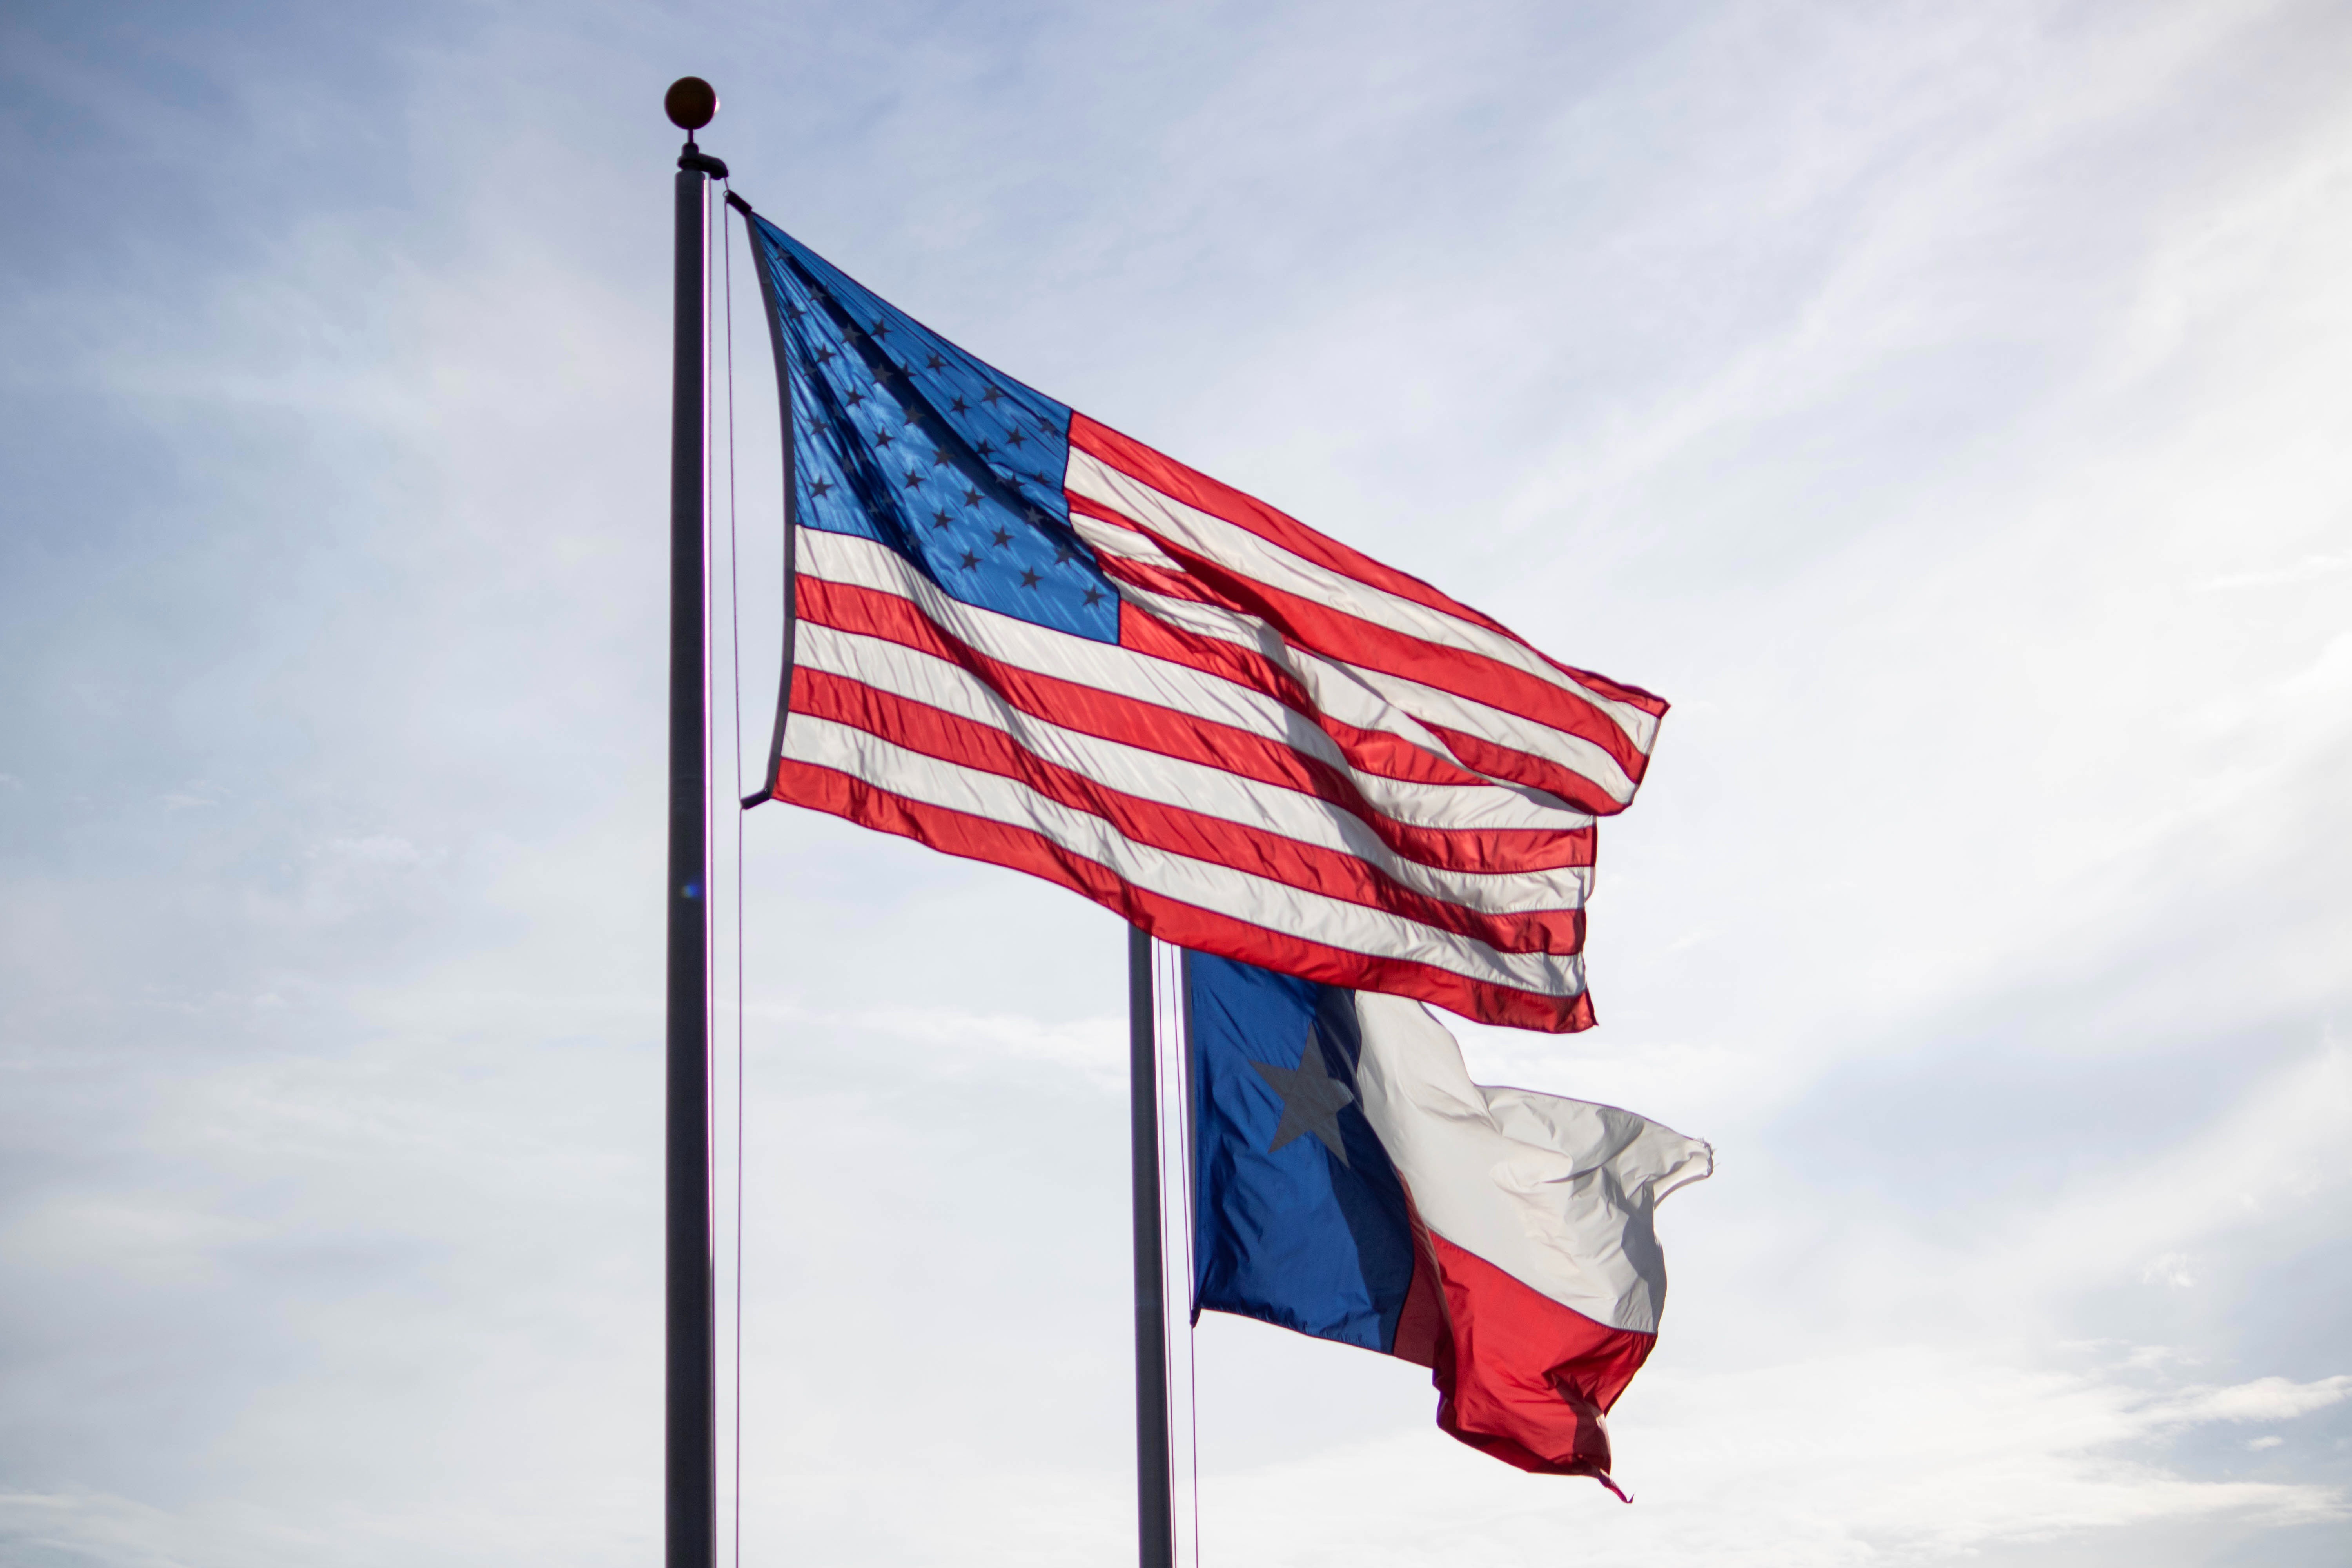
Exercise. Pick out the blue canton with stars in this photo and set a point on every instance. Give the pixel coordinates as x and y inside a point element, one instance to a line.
<point>902,437</point>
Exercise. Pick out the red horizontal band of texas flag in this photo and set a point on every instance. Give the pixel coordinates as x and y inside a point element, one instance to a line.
<point>1023,638</point>
<point>1519,1377</point>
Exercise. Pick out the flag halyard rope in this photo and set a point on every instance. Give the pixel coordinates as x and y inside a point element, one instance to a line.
<point>735,779</point>
<point>1173,1079</point>
<point>1192,1320</point>
<point>1160,1035</point>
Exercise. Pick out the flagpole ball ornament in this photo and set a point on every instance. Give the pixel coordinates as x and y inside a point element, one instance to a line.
<point>691,104</point>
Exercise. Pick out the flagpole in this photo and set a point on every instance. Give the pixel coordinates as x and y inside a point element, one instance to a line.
<point>1155,1514</point>
<point>690,1436</point>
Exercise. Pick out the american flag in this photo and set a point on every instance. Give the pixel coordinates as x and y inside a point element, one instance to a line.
<point>1025,638</point>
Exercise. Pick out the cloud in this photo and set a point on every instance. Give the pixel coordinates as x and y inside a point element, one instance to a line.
<point>376,849</point>
<point>1902,1456</point>
<point>1093,1048</point>
<point>2264,1399</point>
<point>2303,571</point>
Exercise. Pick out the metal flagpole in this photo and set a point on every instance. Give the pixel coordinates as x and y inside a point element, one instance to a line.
<point>690,1437</point>
<point>692,1458</point>
<point>1155,1516</point>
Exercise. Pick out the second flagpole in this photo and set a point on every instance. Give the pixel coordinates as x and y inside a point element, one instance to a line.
<point>1155,1513</point>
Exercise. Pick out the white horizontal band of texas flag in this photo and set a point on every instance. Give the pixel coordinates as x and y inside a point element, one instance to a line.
<point>1023,638</point>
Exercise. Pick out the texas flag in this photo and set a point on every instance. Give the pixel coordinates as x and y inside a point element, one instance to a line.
<point>1351,1183</point>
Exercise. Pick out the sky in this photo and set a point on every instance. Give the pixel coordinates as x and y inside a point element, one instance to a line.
<point>1942,406</point>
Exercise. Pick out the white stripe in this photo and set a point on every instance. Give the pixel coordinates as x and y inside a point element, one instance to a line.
<point>1343,695</point>
<point>1372,700</point>
<point>1122,672</point>
<point>1116,539</point>
<point>1558,1193</point>
<point>1234,546</point>
<point>1259,900</point>
<point>1584,758</point>
<point>1173,781</point>
<point>1386,702</point>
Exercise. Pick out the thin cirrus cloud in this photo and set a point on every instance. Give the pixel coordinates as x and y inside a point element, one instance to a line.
<point>1943,409</point>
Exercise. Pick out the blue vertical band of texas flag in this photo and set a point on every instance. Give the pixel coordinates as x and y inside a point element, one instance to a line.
<point>1017,636</point>
<point>1302,1221</point>
<point>1351,1183</point>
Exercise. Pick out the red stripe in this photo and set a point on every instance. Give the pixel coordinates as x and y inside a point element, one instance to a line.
<point>1173,480</point>
<point>1145,633</point>
<point>1334,873</point>
<point>1092,710</point>
<point>1369,751</point>
<point>1388,756</point>
<point>1351,639</point>
<point>1219,499</point>
<point>1518,1375</point>
<point>1545,773</point>
<point>1185,925</point>
<point>1140,630</point>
